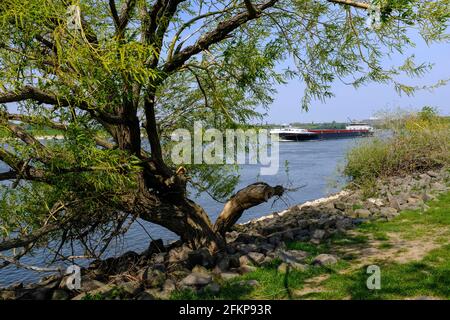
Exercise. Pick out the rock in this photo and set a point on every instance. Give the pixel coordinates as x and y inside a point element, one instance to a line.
<point>16,286</point>
<point>393,202</point>
<point>228,275</point>
<point>414,203</point>
<point>40,294</point>
<point>179,254</point>
<point>201,257</point>
<point>438,186</point>
<point>375,201</point>
<point>256,257</point>
<point>244,238</point>
<point>284,267</point>
<point>213,288</point>
<point>244,260</point>
<point>234,261</point>
<point>200,269</point>
<point>159,258</point>
<point>132,288</point>
<point>231,236</point>
<point>292,256</point>
<point>102,290</point>
<point>266,247</point>
<point>268,259</point>
<point>302,235</point>
<point>156,246</point>
<point>50,282</point>
<point>402,198</point>
<point>246,269</point>
<point>250,283</point>
<point>160,267</point>
<point>388,212</point>
<point>196,279</point>
<point>160,294</point>
<point>325,260</point>
<point>362,213</point>
<point>432,174</point>
<point>152,277</point>
<point>318,234</point>
<point>427,196</point>
<point>344,224</point>
<point>246,247</point>
<point>328,206</point>
<point>59,294</point>
<point>168,287</point>
<point>425,178</point>
<point>272,228</point>
<point>7,295</point>
<point>275,239</point>
<point>223,264</point>
<point>287,235</point>
<point>302,224</point>
<point>144,295</point>
<point>89,284</point>
<point>340,205</point>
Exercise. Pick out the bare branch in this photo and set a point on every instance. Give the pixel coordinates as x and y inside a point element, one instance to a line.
<point>31,93</point>
<point>54,125</point>
<point>244,199</point>
<point>356,4</point>
<point>12,260</point>
<point>35,120</point>
<point>187,25</point>
<point>221,32</point>
<point>121,21</point>
<point>41,96</point>
<point>25,240</point>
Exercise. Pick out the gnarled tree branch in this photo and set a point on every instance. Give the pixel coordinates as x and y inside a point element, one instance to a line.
<point>244,199</point>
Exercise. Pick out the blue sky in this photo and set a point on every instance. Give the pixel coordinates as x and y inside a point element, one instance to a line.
<point>364,102</point>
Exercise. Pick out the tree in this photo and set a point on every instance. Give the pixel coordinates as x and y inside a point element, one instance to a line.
<point>116,77</point>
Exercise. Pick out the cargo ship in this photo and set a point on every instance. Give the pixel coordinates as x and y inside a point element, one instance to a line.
<point>297,134</point>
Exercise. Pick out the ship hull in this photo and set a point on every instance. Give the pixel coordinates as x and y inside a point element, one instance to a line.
<point>324,134</point>
<point>297,136</point>
<point>340,134</point>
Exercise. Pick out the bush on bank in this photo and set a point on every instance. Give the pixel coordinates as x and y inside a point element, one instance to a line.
<point>419,142</point>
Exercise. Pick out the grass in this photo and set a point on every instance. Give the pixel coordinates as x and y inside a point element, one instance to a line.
<point>429,276</point>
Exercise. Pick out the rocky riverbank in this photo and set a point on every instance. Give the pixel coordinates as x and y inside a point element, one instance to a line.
<point>160,270</point>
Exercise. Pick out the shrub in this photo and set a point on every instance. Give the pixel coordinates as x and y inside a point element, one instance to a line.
<point>419,142</point>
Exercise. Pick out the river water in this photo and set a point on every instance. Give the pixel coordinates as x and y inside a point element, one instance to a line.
<point>312,165</point>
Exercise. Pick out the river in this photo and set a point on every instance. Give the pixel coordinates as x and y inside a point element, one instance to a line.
<point>312,165</point>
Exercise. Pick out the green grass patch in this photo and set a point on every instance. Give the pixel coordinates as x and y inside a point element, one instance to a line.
<point>429,277</point>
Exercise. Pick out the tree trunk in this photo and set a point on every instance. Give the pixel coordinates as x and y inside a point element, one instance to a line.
<point>188,220</point>
<point>181,216</point>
